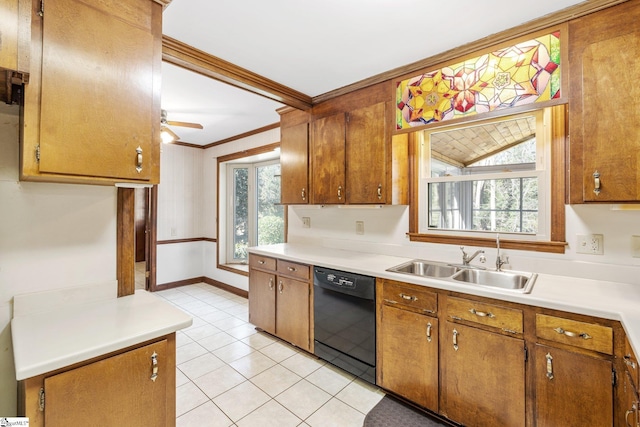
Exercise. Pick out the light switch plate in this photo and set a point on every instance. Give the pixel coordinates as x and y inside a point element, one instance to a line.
<point>635,246</point>
<point>359,227</point>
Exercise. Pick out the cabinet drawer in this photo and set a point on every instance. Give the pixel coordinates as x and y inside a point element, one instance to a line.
<point>263,262</point>
<point>507,319</point>
<point>293,269</point>
<point>579,334</point>
<point>411,297</point>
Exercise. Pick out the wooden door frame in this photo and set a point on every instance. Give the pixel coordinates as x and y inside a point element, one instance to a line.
<point>125,241</point>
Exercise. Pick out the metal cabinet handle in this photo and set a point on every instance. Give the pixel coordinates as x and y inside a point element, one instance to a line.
<point>583,335</point>
<point>429,332</point>
<point>408,297</point>
<point>630,363</point>
<point>154,367</point>
<point>549,366</point>
<point>633,409</point>
<point>455,339</point>
<point>339,191</point>
<point>139,159</point>
<point>271,284</point>
<point>304,194</point>
<point>280,287</point>
<point>261,262</point>
<point>379,191</point>
<point>292,269</point>
<point>481,313</point>
<point>596,182</point>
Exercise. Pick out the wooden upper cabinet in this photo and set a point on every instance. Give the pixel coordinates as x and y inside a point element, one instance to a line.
<point>604,108</point>
<point>294,157</point>
<point>93,113</point>
<point>366,146</point>
<point>15,17</point>
<point>328,159</point>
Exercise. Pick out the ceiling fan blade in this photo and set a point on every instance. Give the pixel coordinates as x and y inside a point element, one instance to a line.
<point>185,124</point>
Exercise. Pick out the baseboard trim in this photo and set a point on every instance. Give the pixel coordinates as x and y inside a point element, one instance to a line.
<point>202,279</point>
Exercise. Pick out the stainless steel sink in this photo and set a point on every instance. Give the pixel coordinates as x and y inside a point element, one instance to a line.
<point>419,267</point>
<point>509,280</point>
<point>517,281</point>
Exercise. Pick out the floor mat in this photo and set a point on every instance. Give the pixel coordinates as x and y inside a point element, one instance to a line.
<point>391,412</point>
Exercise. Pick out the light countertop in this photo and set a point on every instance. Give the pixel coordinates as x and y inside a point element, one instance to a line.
<point>609,300</point>
<point>46,340</point>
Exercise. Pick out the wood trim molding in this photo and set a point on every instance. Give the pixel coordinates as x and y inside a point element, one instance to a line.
<point>233,270</point>
<point>125,242</point>
<point>188,57</point>
<point>525,245</point>
<point>191,239</point>
<point>243,135</point>
<point>246,153</point>
<point>208,281</point>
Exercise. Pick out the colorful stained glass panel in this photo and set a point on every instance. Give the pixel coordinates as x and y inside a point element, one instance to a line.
<point>525,73</point>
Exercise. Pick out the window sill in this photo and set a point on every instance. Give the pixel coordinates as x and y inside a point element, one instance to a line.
<point>242,269</point>
<point>524,245</point>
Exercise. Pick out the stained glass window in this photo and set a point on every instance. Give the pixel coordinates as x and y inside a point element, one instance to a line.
<point>525,73</point>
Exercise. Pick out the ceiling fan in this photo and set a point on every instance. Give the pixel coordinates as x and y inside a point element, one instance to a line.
<point>167,134</point>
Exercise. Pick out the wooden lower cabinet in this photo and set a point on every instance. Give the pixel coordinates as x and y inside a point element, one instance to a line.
<point>630,403</point>
<point>408,359</point>
<point>116,390</point>
<point>572,389</point>
<point>482,377</point>
<point>280,299</point>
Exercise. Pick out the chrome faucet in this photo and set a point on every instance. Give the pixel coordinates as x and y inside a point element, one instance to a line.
<point>499,261</point>
<point>466,259</point>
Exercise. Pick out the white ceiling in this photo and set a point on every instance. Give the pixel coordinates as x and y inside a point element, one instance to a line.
<point>314,47</point>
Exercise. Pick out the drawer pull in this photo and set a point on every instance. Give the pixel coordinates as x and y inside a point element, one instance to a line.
<point>280,286</point>
<point>390,301</point>
<point>426,310</point>
<point>633,409</point>
<point>261,262</point>
<point>429,332</point>
<point>455,339</point>
<point>583,335</point>
<point>304,194</point>
<point>549,366</point>
<point>409,297</point>
<point>271,284</point>
<point>154,367</point>
<point>292,269</point>
<point>482,313</point>
<point>630,363</point>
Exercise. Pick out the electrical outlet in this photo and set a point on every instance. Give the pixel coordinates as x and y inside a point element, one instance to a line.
<point>174,232</point>
<point>306,222</point>
<point>590,244</point>
<point>359,227</point>
<point>635,246</point>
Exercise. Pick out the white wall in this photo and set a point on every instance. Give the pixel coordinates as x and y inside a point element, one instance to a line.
<point>51,236</point>
<point>187,197</point>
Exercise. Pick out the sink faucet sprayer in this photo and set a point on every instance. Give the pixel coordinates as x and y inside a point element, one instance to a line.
<point>499,261</point>
<point>466,259</point>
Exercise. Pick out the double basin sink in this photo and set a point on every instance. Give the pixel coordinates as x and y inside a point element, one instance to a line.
<point>508,280</point>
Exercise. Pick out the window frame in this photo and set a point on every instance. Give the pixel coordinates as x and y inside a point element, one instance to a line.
<point>555,241</point>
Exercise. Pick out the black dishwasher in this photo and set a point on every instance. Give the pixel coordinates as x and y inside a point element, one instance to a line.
<point>345,321</point>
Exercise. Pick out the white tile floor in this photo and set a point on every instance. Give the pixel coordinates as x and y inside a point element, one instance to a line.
<point>229,374</point>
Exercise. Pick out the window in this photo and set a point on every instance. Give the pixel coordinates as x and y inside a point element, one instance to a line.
<point>255,216</point>
<point>493,176</point>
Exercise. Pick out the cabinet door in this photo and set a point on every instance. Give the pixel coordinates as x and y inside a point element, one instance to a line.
<point>262,300</point>
<point>366,155</point>
<point>98,92</point>
<point>482,377</point>
<point>604,65</point>
<point>294,164</point>
<point>328,160</point>
<point>112,392</point>
<point>292,315</point>
<point>629,414</point>
<point>408,357</point>
<point>572,389</point>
